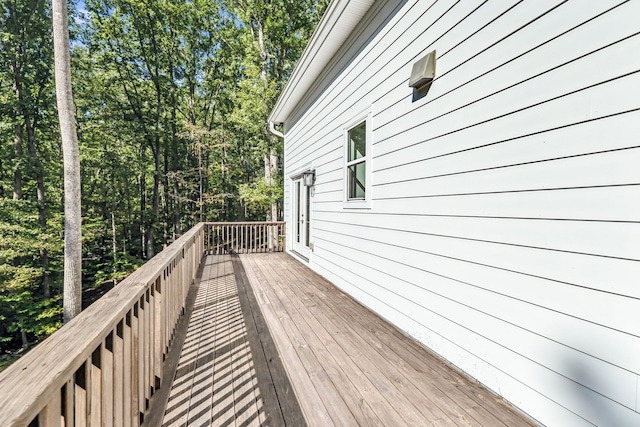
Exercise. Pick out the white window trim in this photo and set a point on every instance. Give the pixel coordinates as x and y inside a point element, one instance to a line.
<point>366,115</point>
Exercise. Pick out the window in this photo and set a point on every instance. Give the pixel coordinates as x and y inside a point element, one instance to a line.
<point>357,161</point>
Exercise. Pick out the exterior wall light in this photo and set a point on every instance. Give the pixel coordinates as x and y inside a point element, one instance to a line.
<point>309,177</point>
<point>423,71</point>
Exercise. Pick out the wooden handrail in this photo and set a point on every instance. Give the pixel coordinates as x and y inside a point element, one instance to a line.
<point>104,365</point>
<point>244,237</point>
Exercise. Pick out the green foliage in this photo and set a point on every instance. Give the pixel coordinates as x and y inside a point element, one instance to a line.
<point>22,307</point>
<point>172,103</point>
<point>259,196</point>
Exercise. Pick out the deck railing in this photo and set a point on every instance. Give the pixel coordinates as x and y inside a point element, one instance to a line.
<point>244,237</point>
<point>102,368</point>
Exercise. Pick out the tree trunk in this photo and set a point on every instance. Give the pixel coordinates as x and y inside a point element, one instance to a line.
<point>114,237</point>
<point>270,158</point>
<point>166,198</point>
<point>24,339</point>
<point>155,201</point>
<point>17,173</point>
<point>273,171</point>
<point>42,204</point>
<point>200,185</point>
<point>17,176</point>
<point>143,208</point>
<point>71,158</point>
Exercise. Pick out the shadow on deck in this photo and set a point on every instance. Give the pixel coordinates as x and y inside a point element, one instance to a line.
<point>269,342</point>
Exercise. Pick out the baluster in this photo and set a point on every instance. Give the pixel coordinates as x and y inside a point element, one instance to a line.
<point>80,386</point>
<point>145,351</point>
<point>255,238</point>
<point>240,238</point>
<point>128,370</point>
<point>118,375</point>
<point>95,386</point>
<point>68,405</point>
<point>106,361</point>
<point>136,342</point>
<point>157,333</point>
<point>51,415</point>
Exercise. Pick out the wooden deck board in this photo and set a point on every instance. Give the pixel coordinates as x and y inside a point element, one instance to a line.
<point>308,397</point>
<point>366,403</point>
<point>382,360</point>
<point>388,379</point>
<point>388,341</point>
<point>345,365</point>
<point>415,383</point>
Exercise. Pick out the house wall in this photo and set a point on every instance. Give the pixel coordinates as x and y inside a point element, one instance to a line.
<point>504,230</point>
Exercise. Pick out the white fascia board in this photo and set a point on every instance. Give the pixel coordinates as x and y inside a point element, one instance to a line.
<point>337,23</point>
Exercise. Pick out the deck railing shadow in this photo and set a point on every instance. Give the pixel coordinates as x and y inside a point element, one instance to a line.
<point>215,380</point>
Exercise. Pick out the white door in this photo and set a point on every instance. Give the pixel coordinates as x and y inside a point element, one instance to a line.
<point>301,217</point>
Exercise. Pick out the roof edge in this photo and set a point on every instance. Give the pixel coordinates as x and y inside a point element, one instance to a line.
<point>325,41</point>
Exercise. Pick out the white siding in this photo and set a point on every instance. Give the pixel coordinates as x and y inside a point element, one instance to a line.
<point>504,231</point>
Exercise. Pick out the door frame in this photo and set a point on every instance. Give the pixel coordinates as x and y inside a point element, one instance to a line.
<point>300,217</point>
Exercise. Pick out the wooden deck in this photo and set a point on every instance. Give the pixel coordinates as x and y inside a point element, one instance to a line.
<point>346,365</point>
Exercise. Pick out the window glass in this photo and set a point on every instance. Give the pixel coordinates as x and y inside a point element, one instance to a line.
<point>358,141</point>
<point>357,180</point>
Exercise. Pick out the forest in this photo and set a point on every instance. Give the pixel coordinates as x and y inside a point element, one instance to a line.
<point>171,101</point>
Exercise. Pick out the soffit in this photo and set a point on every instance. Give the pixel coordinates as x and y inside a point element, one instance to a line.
<point>341,17</point>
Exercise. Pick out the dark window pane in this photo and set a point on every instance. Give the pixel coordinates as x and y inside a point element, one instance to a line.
<point>358,141</point>
<point>357,180</point>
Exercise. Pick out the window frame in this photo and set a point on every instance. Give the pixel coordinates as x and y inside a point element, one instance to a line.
<point>365,116</point>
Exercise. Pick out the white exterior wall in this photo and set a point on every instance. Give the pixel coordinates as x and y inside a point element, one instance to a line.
<point>504,230</point>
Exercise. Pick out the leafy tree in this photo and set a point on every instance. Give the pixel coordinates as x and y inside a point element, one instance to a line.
<point>23,310</point>
<point>171,106</point>
<point>25,64</point>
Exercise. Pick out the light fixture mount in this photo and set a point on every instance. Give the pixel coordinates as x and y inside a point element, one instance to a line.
<point>309,177</point>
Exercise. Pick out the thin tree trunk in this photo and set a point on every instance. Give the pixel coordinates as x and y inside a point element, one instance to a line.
<point>270,158</point>
<point>17,192</point>
<point>155,204</point>
<point>166,198</point>
<point>200,186</point>
<point>24,339</point>
<point>42,205</point>
<point>72,301</point>
<point>114,237</point>
<point>17,173</point>
<point>273,170</point>
<point>143,208</point>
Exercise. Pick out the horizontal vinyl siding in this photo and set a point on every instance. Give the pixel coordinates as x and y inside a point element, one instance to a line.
<point>504,231</point>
